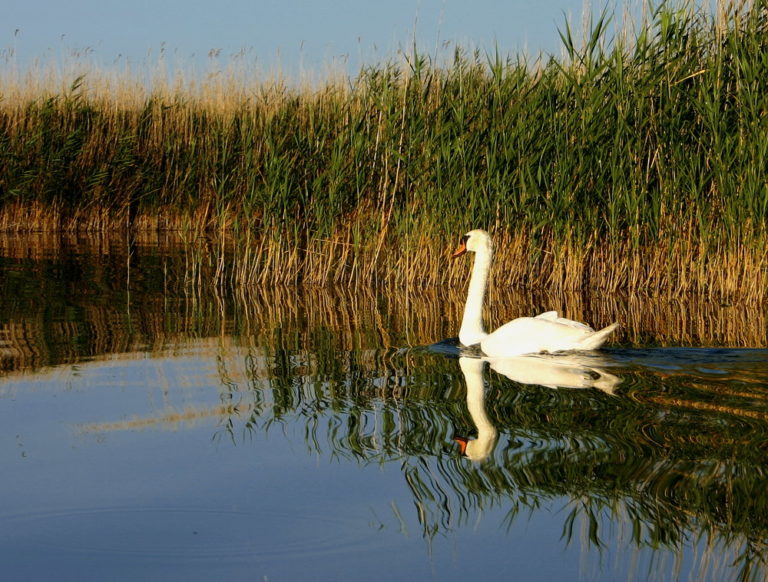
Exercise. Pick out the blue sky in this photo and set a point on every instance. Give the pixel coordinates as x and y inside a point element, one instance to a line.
<point>287,35</point>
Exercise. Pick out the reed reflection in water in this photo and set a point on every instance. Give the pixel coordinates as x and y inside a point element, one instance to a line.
<point>311,411</point>
<point>656,473</point>
<point>67,297</point>
<point>619,452</point>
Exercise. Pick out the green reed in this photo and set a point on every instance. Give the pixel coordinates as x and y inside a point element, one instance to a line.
<point>652,138</point>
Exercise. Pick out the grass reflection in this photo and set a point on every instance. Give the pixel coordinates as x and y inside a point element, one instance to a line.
<point>90,312</point>
<point>68,298</point>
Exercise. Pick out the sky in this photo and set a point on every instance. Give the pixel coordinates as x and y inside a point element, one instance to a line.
<point>293,37</point>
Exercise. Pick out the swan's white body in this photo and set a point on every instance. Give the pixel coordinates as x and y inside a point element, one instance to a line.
<point>526,335</point>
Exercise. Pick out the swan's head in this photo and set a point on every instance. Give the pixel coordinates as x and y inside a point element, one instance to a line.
<point>475,241</point>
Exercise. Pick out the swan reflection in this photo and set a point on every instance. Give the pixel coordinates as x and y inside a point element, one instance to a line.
<point>572,370</point>
<point>558,371</point>
<point>487,435</point>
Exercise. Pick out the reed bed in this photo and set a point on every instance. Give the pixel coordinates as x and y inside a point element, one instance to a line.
<point>636,162</point>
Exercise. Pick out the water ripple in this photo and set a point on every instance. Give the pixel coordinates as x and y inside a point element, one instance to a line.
<point>188,533</point>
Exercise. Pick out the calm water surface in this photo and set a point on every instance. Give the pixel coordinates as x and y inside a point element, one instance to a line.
<point>153,427</point>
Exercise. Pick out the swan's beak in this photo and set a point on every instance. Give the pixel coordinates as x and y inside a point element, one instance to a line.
<point>461,250</point>
<point>462,444</point>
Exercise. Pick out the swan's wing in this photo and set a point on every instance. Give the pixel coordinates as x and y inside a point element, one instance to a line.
<point>553,316</point>
<point>527,335</point>
<point>550,315</point>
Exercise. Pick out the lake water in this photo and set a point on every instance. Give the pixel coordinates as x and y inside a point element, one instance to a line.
<point>155,427</point>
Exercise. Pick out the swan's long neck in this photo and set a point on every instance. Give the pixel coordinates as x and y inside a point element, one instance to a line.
<point>472,330</point>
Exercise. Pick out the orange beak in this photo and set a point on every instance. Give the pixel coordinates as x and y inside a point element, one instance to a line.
<point>461,250</point>
<point>462,444</point>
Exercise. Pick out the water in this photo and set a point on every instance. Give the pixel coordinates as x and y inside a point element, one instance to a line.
<point>155,428</point>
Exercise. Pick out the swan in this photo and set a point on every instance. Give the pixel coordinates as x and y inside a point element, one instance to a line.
<point>525,335</point>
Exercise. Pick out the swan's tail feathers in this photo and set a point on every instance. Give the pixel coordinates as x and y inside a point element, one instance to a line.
<point>595,340</point>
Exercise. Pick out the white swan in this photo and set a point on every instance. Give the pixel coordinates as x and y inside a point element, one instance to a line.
<point>525,335</point>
